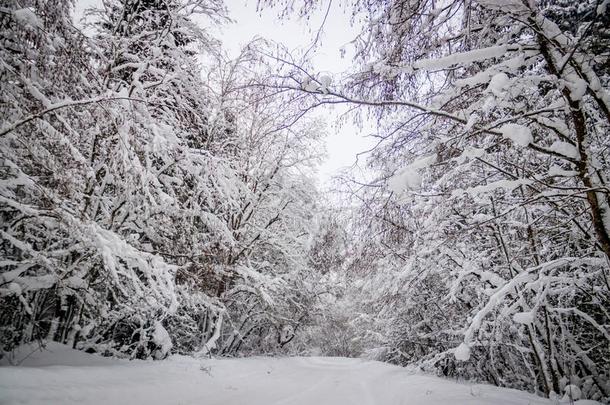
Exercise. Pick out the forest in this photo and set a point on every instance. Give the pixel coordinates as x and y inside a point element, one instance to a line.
<point>159,197</point>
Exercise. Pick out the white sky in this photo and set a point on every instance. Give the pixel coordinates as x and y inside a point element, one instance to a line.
<point>344,142</point>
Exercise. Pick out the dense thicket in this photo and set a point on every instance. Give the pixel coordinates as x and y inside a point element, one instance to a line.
<point>157,197</point>
<point>149,203</point>
<point>484,233</point>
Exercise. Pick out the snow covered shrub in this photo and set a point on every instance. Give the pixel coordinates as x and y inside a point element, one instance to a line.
<point>144,209</point>
<point>78,192</point>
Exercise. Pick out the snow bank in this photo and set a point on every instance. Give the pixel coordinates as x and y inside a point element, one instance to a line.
<point>54,354</point>
<point>64,376</point>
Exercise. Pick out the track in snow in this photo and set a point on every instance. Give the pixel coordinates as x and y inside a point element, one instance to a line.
<point>65,376</point>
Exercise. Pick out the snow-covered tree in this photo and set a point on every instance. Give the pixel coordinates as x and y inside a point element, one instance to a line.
<point>141,206</point>
<point>490,193</point>
<point>263,274</point>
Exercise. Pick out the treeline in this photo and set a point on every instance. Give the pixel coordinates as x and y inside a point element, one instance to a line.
<point>151,201</point>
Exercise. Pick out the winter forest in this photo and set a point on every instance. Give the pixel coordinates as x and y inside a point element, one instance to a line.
<point>159,198</point>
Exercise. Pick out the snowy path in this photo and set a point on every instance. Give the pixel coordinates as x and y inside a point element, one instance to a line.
<point>64,376</point>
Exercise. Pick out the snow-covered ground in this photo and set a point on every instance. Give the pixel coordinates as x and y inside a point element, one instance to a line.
<point>64,376</point>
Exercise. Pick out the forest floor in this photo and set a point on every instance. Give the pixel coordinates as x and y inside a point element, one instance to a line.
<point>61,375</point>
